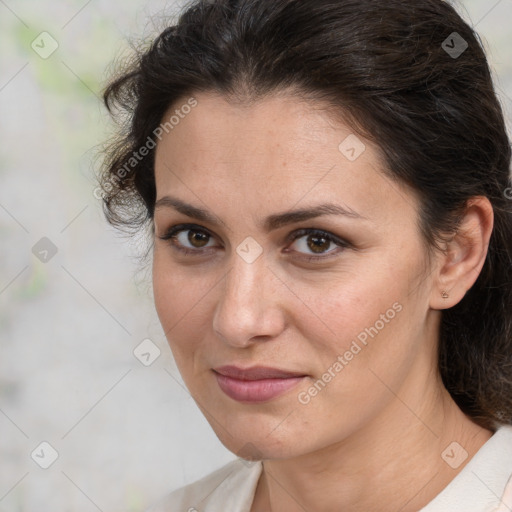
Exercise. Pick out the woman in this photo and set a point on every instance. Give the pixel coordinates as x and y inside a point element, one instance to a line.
<point>327,187</point>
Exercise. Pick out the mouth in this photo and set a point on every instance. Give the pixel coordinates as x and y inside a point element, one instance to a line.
<point>256,384</point>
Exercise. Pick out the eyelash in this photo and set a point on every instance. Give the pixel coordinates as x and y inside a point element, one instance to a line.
<point>172,232</point>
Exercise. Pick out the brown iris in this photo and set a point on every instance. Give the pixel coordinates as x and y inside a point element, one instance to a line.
<point>198,238</point>
<point>318,243</point>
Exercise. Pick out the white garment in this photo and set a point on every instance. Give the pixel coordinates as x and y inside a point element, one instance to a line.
<point>484,485</point>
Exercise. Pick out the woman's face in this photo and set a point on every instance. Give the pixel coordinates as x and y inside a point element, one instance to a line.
<point>353,325</point>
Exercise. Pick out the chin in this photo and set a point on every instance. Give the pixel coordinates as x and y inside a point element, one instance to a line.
<point>256,439</point>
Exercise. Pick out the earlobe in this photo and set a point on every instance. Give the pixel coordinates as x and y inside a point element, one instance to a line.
<point>442,299</point>
<point>464,256</point>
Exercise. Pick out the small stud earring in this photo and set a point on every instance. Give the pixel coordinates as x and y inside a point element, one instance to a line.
<point>444,295</point>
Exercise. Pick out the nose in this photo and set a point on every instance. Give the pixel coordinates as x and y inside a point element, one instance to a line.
<point>248,308</point>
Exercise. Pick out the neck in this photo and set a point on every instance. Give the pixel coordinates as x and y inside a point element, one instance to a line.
<point>393,463</point>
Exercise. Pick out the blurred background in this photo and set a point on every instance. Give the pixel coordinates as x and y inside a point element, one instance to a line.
<point>93,412</point>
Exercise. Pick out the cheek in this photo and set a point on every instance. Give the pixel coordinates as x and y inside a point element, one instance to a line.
<point>180,303</point>
<point>348,308</point>
<point>360,323</point>
<point>373,331</point>
<point>176,289</point>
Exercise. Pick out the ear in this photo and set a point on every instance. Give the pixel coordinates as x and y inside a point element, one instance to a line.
<point>459,266</point>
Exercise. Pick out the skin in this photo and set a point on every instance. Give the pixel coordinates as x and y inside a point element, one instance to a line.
<point>384,420</point>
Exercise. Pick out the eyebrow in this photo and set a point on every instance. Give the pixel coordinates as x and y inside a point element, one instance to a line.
<point>272,222</point>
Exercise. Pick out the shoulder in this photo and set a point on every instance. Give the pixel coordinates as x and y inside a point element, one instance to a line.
<point>485,483</point>
<point>230,487</point>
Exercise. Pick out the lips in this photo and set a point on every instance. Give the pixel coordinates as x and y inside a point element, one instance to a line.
<point>255,384</point>
<point>256,373</point>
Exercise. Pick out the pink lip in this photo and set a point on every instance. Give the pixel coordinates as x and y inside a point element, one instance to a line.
<point>256,384</point>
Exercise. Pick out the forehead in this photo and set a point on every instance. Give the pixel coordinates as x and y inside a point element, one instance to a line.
<point>278,124</point>
<point>277,151</point>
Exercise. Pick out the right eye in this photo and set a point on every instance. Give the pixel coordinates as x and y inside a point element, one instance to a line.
<point>188,238</point>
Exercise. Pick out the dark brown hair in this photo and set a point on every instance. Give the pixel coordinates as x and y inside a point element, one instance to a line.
<point>401,73</point>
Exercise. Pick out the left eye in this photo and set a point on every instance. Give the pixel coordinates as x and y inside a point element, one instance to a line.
<point>317,242</point>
